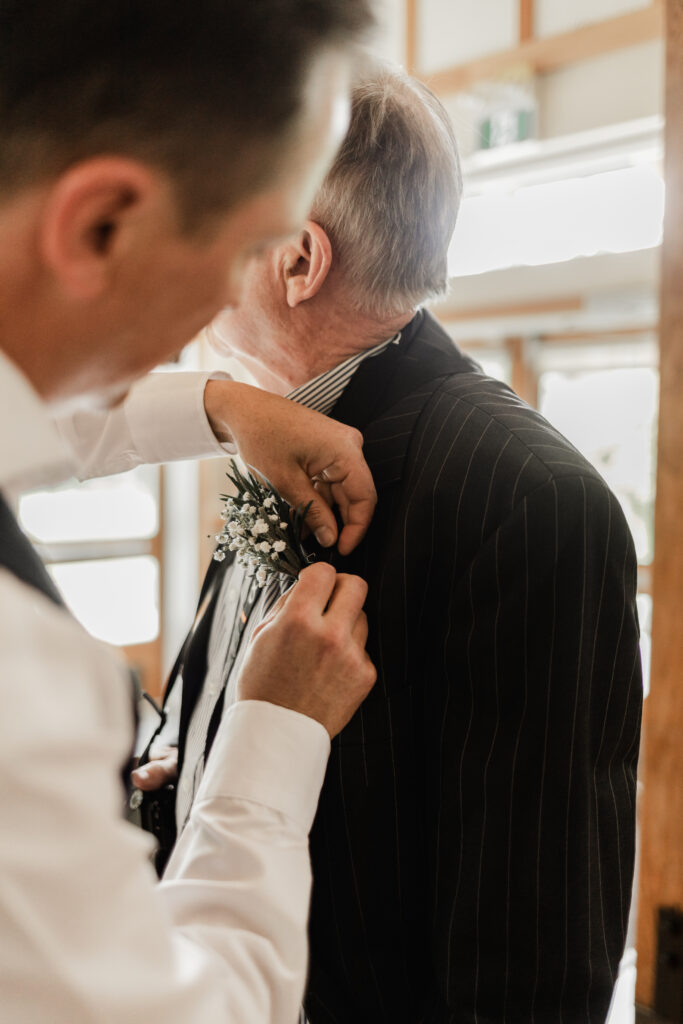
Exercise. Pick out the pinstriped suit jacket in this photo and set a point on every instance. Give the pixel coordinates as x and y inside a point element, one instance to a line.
<point>473,851</point>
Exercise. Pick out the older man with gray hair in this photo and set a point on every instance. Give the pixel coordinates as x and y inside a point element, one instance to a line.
<point>473,847</point>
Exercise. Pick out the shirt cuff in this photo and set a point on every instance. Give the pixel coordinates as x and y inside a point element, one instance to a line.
<point>172,404</point>
<point>269,755</point>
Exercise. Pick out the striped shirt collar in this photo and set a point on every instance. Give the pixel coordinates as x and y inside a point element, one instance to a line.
<point>323,392</point>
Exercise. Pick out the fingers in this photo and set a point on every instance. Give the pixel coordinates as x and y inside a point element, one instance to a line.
<point>356,499</point>
<point>320,518</point>
<point>325,490</point>
<point>310,654</point>
<point>313,591</point>
<point>347,599</point>
<point>360,630</point>
<point>356,525</point>
<point>355,496</point>
<point>354,492</point>
<point>340,595</point>
<point>274,611</point>
<point>310,596</point>
<point>157,773</point>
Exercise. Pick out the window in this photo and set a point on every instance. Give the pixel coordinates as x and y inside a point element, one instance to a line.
<point>101,541</point>
<point>604,399</point>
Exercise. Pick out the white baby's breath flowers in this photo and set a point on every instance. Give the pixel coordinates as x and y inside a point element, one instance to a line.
<point>261,529</point>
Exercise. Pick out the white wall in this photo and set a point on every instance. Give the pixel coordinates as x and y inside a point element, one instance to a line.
<point>637,272</point>
<point>453,31</point>
<point>554,16</point>
<point>620,86</point>
<point>389,41</point>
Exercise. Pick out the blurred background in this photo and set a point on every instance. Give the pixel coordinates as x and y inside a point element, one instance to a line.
<point>555,266</point>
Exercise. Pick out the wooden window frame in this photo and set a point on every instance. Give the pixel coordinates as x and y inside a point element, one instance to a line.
<point>541,56</point>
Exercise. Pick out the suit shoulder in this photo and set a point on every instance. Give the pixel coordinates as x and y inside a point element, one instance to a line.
<point>494,425</point>
<point>478,451</point>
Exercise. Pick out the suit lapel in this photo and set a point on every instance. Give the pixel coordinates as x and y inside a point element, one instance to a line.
<point>386,394</point>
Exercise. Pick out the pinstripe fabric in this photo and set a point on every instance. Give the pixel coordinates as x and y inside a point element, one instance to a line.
<point>473,849</point>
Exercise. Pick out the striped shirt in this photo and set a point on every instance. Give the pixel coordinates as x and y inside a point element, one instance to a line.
<point>320,394</point>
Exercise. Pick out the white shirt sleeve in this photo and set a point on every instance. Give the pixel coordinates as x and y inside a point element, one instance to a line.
<point>162,420</point>
<point>85,933</point>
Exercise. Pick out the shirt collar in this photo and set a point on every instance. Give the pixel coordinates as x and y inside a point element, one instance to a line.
<point>31,452</point>
<point>323,392</point>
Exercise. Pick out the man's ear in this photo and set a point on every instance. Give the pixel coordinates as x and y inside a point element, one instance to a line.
<point>307,263</point>
<point>90,216</point>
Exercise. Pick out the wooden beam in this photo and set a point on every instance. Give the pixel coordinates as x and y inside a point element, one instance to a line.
<point>545,55</point>
<point>645,579</point>
<point>448,311</point>
<point>145,659</point>
<point>524,379</point>
<point>411,35</point>
<point>599,334</point>
<point>526,20</point>
<point>661,769</point>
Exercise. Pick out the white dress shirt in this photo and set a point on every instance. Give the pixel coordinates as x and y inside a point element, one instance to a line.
<point>85,933</point>
<point>162,420</point>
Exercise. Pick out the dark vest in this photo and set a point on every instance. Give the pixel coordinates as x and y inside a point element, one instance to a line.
<point>18,555</point>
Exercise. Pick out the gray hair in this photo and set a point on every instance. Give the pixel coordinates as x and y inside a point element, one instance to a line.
<point>390,201</point>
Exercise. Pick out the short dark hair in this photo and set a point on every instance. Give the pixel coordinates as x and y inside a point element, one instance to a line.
<point>390,200</point>
<point>197,87</point>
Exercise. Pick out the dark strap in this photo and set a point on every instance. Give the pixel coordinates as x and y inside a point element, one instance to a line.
<point>157,808</point>
<point>215,570</point>
<point>18,555</point>
<point>191,662</point>
<point>193,673</point>
<point>238,629</point>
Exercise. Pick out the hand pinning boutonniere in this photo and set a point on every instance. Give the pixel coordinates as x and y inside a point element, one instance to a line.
<point>262,528</point>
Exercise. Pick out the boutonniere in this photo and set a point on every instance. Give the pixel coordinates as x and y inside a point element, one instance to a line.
<point>262,528</point>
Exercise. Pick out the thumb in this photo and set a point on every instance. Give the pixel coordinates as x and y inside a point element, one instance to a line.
<point>154,775</point>
<point>319,518</point>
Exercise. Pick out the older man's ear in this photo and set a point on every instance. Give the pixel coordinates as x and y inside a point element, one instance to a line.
<point>307,263</point>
